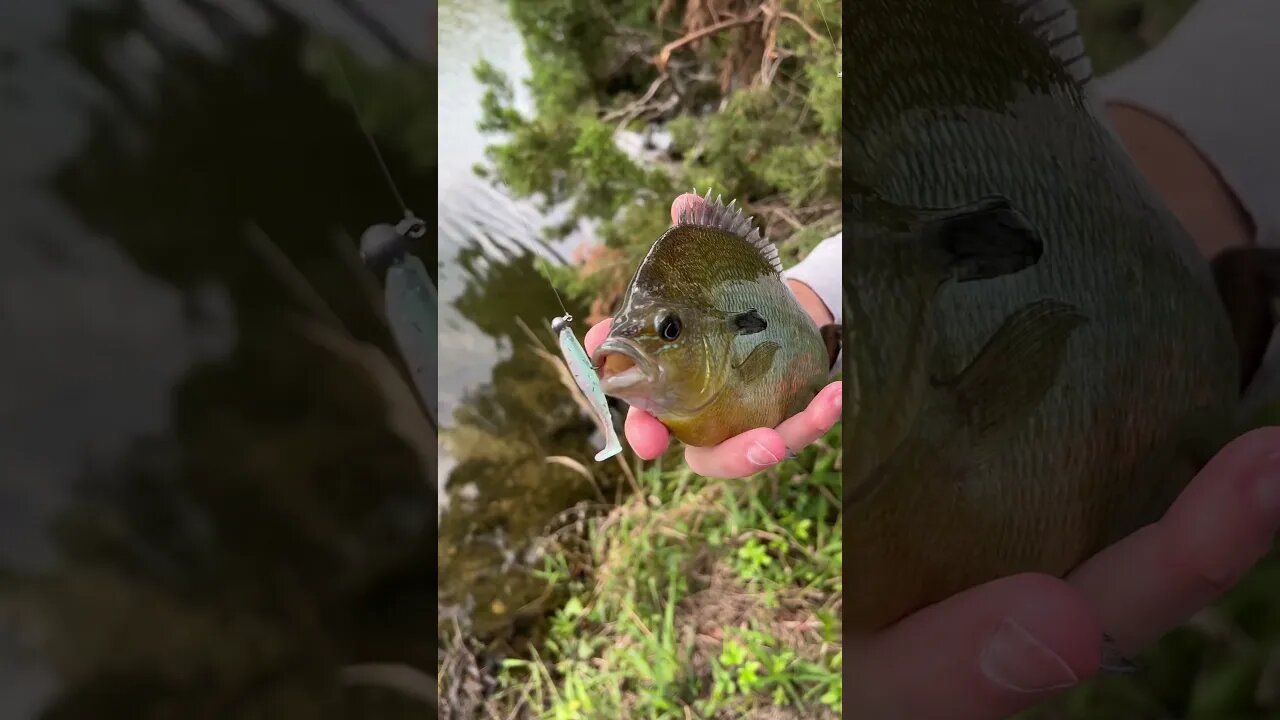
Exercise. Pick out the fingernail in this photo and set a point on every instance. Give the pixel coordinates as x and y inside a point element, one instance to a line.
<point>761,456</point>
<point>837,402</point>
<point>1014,659</point>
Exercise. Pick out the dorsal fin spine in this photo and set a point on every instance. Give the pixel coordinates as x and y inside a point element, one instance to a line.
<point>714,213</point>
<point>1053,22</point>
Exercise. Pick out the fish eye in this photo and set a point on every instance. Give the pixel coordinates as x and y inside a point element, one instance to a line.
<point>668,327</point>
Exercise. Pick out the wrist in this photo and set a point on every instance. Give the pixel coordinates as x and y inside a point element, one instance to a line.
<point>1185,180</point>
<point>811,303</point>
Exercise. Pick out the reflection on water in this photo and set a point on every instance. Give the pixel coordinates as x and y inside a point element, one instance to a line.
<point>471,212</point>
<point>204,513</point>
<point>503,408</point>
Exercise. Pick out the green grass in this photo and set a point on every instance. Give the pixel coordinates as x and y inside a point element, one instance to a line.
<point>705,598</point>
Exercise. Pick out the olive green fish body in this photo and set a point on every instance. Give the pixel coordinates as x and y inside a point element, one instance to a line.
<point>1111,358</point>
<point>768,376</point>
<point>719,343</point>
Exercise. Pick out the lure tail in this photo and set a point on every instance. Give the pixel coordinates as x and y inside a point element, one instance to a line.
<point>612,447</point>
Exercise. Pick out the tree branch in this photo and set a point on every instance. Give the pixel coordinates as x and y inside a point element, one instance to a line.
<point>665,55</point>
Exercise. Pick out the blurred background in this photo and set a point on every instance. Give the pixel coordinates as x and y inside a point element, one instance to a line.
<point>205,510</point>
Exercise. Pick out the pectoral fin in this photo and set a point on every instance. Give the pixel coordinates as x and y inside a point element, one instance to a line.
<point>983,240</point>
<point>749,322</point>
<point>757,362</point>
<point>1248,281</point>
<point>968,416</point>
<point>1014,369</point>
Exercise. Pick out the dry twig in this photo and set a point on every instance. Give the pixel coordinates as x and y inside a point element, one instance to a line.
<point>664,56</point>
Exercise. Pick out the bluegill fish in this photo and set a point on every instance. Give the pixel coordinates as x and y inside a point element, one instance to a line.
<point>708,338</point>
<point>1037,357</point>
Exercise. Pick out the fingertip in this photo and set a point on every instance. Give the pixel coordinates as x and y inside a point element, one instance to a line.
<point>1058,617</point>
<point>1232,483</point>
<point>815,420</point>
<point>1221,524</point>
<point>829,404</point>
<point>766,449</point>
<point>595,335</point>
<point>1228,513</point>
<point>647,436</point>
<point>990,651</point>
<point>1258,448</point>
<point>683,202</point>
<point>739,456</point>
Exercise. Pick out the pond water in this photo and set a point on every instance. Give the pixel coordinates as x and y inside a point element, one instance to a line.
<point>503,408</point>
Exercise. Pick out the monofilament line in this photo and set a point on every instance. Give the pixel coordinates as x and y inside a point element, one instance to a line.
<point>355,109</point>
<point>567,316</point>
<point>832,38</point>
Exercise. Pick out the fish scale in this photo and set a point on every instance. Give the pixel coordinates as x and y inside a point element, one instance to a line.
<point>952,101</point>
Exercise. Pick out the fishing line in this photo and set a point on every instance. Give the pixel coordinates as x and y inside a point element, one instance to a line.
<point>409,294</point>
<point>567,316</point>
<point>355,110</point>
<point>832,38</point>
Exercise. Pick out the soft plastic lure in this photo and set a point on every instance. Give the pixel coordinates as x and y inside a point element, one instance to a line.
<point>408,292</point>
<point>584,373</point>
<point>410,299</point>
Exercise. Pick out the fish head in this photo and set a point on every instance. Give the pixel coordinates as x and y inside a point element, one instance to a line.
<point>665,358</point>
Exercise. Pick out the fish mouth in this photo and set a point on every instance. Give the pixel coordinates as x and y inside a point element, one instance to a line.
<point>623,367</point>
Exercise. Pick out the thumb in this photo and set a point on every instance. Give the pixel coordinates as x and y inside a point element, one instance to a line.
<point>984,654</point>
<point>684,203</point>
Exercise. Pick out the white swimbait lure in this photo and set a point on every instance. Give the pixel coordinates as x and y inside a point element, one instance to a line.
<point>584,374</point>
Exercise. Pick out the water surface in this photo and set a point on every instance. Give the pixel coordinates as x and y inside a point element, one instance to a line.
<point>503,408</point>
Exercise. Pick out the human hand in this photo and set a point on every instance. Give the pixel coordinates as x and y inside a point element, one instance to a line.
<point>751,451</point>
<point>1011,644</point>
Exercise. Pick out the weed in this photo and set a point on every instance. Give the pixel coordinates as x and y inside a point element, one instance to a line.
<point>709,599</point>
